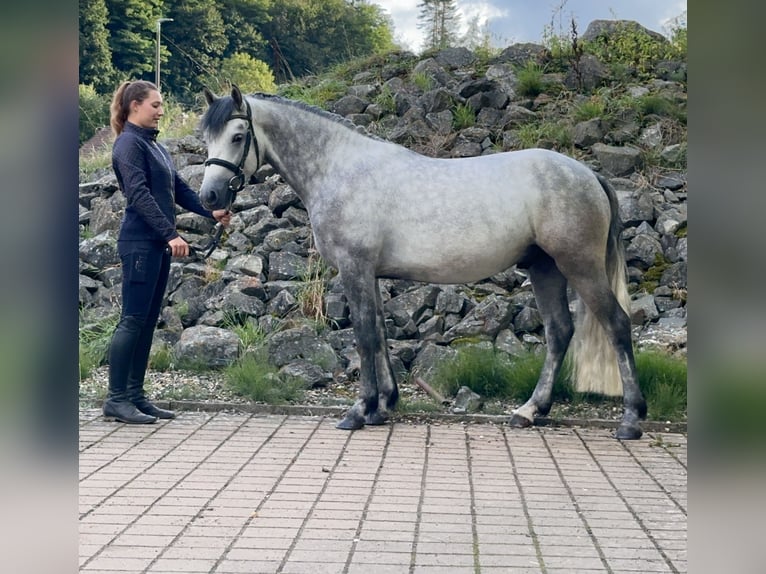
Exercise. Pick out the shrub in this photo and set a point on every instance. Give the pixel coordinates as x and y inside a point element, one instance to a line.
<point>94,111</point>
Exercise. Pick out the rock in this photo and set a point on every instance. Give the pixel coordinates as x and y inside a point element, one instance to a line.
<point>212,346</point>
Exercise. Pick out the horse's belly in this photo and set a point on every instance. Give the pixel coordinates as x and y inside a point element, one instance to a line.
<point>450,260</point>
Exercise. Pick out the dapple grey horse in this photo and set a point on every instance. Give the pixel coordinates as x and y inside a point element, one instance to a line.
<point>380,210</point>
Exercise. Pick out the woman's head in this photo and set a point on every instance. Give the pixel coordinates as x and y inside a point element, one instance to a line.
<point>139,101</point>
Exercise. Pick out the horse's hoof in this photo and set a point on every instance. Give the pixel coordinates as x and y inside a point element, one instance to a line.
<point>376,418</point>
<point>519,422</point>
<point>350,422</point>
<point>628,432</point>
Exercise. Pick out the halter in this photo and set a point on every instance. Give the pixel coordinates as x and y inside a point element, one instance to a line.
<point>237,182</point>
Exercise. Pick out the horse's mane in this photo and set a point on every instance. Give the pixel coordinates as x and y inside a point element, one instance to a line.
<point>219,112</point>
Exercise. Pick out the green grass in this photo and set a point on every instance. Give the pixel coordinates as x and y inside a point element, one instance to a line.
<point>94,339</point>
<point>497,376</point>
<point>463,116</point>
<point>546,134</point>
<point>663,382</point>
<point>592,108</point>
<point>530,80</point>
<point>422,81</point>
<point>254,378</point>
<point>318,94</point>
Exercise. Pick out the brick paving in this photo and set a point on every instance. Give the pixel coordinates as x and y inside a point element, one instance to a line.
<point>242,493</point>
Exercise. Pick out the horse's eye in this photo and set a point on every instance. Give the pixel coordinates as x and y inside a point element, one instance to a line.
<point>237,138</point>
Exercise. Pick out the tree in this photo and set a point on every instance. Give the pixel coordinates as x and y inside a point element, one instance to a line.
<point>439,20</point>
<point>196,40</point>
<point>95,54</point>
<point>307,36</point>
<point>243,20</point>
<point>132,25</point>
<point>249,74</point>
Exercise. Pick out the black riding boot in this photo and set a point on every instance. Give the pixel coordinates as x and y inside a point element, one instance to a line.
<point>138,398</point>
<point>135,387</point>
<point>117,405</point>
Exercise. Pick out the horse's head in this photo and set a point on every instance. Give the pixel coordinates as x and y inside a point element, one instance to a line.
<point>232,149</point>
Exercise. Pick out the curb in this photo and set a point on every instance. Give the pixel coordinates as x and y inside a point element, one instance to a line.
<point>330,411</point>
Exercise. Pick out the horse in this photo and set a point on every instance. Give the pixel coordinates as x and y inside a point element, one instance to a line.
<point>380,210</point>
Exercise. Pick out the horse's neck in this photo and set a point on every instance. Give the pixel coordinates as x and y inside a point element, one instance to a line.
<point>304,146</point>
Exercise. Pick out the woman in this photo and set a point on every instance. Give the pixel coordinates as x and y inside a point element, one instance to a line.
<point>147,240</point>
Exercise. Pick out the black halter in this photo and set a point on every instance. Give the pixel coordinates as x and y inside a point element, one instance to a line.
<point>237,182</point>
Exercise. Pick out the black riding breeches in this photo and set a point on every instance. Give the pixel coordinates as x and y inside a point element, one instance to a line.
<point>145,270</point>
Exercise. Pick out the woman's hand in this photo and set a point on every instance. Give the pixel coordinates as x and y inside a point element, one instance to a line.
<point>178,247</point>
<point>223,216</point>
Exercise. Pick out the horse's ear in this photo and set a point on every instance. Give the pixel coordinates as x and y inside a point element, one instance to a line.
<point>209,96</point>
<point>236,95</point>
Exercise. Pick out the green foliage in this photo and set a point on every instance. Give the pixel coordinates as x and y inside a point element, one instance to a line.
<point>530,79</point>
<point>94,111</point>
<point>177,121</point>
<point>309,36</point>
<point>253,377</point>
<point>634,48</point>
<point>131,27</point>
<point>249,74</point>
<point>95,62</point>
<point>196,37</point>
<point>463,116</point>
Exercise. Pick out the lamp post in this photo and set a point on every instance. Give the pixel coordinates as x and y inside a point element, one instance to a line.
<point>159,28</point>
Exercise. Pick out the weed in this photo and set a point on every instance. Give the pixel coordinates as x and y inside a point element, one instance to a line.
<point>422,81</point>
<point>530,80</point>
<point>162,359</point>
<point>463,116</point>
<point>592,108</point>
<point>385,99</point>
<point>311,292</point>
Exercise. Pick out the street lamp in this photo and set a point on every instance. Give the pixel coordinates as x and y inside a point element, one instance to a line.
<point>159,27</point>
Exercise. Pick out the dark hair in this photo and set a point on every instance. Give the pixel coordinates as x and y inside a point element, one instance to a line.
<point>126,93</point>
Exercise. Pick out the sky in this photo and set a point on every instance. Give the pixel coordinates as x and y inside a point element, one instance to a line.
<point>514,21</point>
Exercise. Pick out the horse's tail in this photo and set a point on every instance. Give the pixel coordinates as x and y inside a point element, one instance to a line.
<point>593,359</point>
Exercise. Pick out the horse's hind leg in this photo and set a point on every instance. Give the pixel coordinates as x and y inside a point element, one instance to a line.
<point>550,289</point>
<point>602,302</point>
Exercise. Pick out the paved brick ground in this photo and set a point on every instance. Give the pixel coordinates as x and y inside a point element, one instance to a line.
<point>228,493</point>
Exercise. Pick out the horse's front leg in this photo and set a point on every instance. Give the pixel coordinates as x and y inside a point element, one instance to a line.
<point>359,286</point>
<point>388,392</point>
